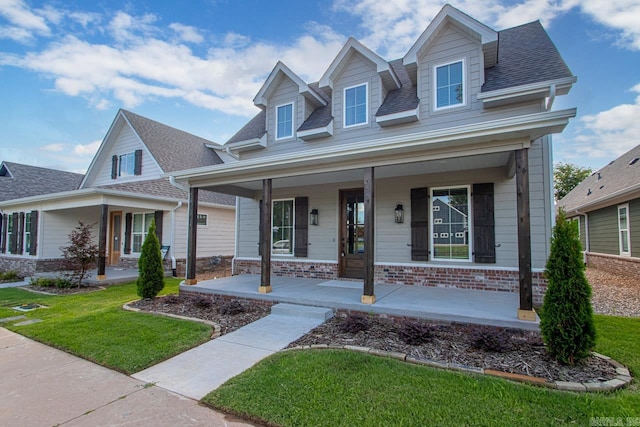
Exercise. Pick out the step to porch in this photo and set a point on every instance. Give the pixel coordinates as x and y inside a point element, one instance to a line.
<point>305,311</point>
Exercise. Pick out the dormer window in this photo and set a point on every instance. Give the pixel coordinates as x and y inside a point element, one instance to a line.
<point>127,164</point>
<point>356,106</point>
<point>284,121</point>
<point>449,85</point>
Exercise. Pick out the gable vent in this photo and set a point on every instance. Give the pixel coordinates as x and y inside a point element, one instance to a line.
<point>634,161</point>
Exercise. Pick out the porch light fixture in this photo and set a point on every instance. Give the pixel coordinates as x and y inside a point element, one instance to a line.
<point>314,216</point>
<point>399,213</point>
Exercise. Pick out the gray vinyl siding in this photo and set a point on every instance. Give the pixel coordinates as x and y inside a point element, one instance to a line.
<point>56,226</point>
<point>392,239</point>
<point>450,45</point>
<point>634,224</point>
<point>603,231</point>
<point>284,93</point>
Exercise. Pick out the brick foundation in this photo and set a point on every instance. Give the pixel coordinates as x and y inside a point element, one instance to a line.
<point>626,266</point>
<point>463,278</point>
<point>219,266</point>
<point>25,267</point>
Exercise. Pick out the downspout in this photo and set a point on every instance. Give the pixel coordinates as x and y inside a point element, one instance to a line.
<point>586,235</point>
<point>172,181</point>
<point>173,232</point>
<point>552,97</point>
<point>228,151</point>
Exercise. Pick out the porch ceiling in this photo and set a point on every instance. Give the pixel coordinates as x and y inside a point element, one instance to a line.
<point>482,161</point>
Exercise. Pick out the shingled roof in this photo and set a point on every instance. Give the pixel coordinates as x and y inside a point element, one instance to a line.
<point>172,148</point>
<point>619,176</point>
<point>18,181</point>
<point>526,55</point>
<point>162,188</point>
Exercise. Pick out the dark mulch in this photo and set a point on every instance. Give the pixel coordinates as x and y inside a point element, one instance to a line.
<point>521,352</point>
<point>229,314</point>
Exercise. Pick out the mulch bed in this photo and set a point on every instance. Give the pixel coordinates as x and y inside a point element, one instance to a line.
<point>229,314</point>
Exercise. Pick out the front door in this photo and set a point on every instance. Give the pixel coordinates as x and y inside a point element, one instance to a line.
<point>351,264</point>
<point>114,238</point>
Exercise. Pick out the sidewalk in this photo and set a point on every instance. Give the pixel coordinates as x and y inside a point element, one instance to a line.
<point>42,386</point>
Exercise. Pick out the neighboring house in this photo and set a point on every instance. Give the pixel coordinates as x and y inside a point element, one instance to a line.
<point>341,178</point>
<point>125,188</point>
<point>607,206</point>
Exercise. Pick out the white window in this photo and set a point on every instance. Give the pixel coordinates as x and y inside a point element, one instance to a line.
<point>127,164</point>
<point>27,233</point>
<point>449,85</point>
<point>141,224</point>
<point>356,109</point>
<point>284,121</point>
<point>10,226</point>
<point>451,233</point>
<point>623,229</point>
<point>201,219</point>
<point>282,218</point>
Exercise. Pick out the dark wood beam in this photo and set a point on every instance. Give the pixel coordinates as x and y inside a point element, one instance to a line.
<point>524,235</point>
<point>368,296</point>
<point>102,242</point>
<point>192,237</point>
<point>265,238</point>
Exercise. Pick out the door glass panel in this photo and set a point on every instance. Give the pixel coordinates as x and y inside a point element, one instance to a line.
<point>451,223</point>
<point>117,219</point>
<point>355,224</point>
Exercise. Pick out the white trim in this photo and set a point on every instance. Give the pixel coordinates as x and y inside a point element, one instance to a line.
<point>316,133</point>
<point>260,99</point>
<point>539,89</point>
<point>248,144</point>
<point>469,223</point>
<point>434,89</point>
<point>344,106</point>
<point>627,253</point>
<point>293,121</point>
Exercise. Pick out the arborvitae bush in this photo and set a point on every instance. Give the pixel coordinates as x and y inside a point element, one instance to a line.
<point>567,317</point>
<point>150,270</point>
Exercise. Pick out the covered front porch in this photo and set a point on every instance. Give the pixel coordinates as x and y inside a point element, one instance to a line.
<point>431,303</point>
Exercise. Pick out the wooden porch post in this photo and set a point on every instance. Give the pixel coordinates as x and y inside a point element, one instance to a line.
<point>368,296</point>
<point>102,242</point>
<point>192,237</point>
<point>525,312</point>
<point>265,238</point>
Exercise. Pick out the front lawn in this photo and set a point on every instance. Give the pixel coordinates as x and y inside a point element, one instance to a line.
<point>334,387</point>
<point>94,326</point>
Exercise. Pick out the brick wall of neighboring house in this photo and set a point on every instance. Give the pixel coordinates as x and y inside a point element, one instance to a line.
<point>626,266</point>
<point>464,278</point>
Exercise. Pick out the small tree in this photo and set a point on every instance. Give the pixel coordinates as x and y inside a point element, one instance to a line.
<point>566,177</point>
<point>150,270</point>
<point>567,317</point>
<point>81,253</point>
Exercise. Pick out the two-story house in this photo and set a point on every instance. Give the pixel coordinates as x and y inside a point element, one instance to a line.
<point>123,191</point>
<point>433,169</point>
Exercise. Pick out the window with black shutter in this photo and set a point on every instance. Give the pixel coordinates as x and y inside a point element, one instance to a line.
<point>33,244</point>
<point>420,224</point>
<point>137,169</point>
<point>484,240</point>
<point>128,219</point>
<point>301,226</point>
<point>114,166</point>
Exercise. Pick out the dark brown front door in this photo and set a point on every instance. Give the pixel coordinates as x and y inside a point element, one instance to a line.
<point>114,240</point>
<point>351,264</point>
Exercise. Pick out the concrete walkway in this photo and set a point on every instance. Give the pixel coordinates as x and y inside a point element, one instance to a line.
<point>198,371</point>
<point>42,386</point>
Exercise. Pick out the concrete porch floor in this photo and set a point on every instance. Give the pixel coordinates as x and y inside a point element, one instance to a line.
<point>433,303</point>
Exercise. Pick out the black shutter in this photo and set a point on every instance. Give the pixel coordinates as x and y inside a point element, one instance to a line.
<point>114,166</point>
<point>260,230</point>
<point>301,227</point>
<point>128,219</point>
<point>484,238</point>
<point>137,169</point>
<point>157,216</point>
<point>33,250</point>
<point>420,224</point>
<point>13,244</point>
<point>21,233</point>
<point>3,232</point>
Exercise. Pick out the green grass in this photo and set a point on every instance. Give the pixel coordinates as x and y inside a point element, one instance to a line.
<point>94,326</point>
<point>333,387</point>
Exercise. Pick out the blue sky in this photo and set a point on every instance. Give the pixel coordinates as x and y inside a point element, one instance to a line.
<point>67,66</point>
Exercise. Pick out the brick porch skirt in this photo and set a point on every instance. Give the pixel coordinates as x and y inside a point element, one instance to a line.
<point>485,279</point>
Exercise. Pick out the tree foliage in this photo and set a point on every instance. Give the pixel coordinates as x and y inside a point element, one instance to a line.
<point>566,176</point>
<point>81,253</point>
<point>150,270</point>
<point>567,316</point>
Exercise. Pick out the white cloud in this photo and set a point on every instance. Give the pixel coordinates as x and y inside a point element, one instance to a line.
<point>622,15</point>
<point>53,148</point>
<point>187,33</point>
<point>607,134</point>
<point>125,27</point>
<point>18,14</point>
<point>89,149</point>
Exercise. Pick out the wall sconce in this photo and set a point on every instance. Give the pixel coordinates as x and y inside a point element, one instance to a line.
<point>314,216</point>
<point>399,211</point>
